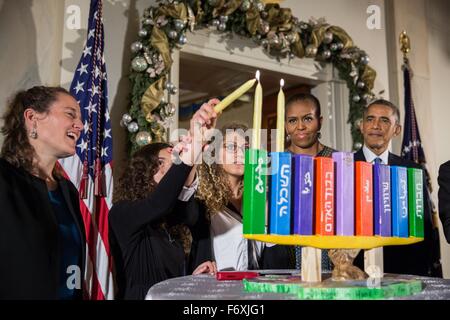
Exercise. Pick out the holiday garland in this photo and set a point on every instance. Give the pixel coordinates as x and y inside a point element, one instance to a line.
<point>279,33</point>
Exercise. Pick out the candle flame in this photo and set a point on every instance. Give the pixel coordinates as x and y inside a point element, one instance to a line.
<point>282,83</point>
<point>257,75</point>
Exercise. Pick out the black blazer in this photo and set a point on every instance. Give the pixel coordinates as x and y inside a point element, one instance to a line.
<point>444,198</point>
<point>143,252</point>
<point>422,258</point>
<point>29,258</point>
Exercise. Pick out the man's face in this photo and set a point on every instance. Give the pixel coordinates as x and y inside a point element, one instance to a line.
<point>379,126</point>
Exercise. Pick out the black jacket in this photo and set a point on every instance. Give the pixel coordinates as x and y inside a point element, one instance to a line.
<point>29,265</point>
<point>444,198</point>
<point>144,252</point>
<point>421,258</point>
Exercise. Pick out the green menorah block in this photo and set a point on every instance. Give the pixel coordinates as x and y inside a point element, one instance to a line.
<point>255,187</point>
<point>416,202</point>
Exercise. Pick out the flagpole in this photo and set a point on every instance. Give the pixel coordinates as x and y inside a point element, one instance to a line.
<point>415,151</point>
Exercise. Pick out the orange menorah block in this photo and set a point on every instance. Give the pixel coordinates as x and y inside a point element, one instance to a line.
<point>324,200</point>
<point>363,198</point>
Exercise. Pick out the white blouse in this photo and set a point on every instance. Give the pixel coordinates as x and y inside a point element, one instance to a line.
<point>230,248</point>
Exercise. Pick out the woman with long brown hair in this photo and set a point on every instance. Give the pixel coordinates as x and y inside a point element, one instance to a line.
<point>148,239</point>
<point>41,230</point>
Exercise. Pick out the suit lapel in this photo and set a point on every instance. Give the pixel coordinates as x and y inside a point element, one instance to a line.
<point>359,155</point>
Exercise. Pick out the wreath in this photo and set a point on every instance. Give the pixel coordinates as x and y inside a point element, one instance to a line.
<point>274,29</point>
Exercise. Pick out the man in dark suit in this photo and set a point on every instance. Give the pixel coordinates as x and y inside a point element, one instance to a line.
<point>444,198</point>
<point>380,124</point>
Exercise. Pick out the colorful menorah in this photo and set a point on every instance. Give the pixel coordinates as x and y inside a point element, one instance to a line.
<point>331,203</point>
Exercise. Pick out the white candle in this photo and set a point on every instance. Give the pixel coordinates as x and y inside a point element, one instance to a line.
<point>234,95</point>
<point>280,119</point>
<point>257,114</point>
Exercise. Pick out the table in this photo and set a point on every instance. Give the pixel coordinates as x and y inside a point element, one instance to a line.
<point>206,287</point>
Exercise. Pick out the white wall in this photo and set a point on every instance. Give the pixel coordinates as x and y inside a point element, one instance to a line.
<point>351,15</point>
<point>30,42</point>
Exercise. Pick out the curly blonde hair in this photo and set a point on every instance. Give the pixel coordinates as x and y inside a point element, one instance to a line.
<point>214,189</point>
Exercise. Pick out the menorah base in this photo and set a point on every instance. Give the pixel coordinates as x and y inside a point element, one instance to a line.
<point>369,289</point>
<point>344,269</point>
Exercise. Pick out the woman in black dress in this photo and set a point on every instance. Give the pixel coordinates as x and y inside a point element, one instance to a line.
<point>148,240</point>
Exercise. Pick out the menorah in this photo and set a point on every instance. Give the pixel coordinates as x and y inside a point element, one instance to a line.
<point>330,203</point>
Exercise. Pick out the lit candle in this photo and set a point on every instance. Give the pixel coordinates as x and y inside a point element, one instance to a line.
<point>280,119</point>
<point>234,95</point>
<point>257,114</point>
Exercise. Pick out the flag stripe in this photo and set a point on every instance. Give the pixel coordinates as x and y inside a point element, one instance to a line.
<point>89,87</point>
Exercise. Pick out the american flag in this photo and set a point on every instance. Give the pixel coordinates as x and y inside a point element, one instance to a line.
<point>411,144</point>
<point>90,169</point>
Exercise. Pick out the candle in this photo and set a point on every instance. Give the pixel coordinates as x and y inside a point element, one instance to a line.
<point>257,111</point>
<point>234,95</point>
<point>280,119</point>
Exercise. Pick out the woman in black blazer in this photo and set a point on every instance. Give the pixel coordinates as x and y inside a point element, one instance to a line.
<point>42,238</point>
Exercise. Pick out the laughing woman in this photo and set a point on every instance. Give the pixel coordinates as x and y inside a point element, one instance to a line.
<point>41,230</point>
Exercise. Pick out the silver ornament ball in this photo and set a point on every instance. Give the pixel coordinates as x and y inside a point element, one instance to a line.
<point>136,46</point>
<point>182,40</point>
<point>311,51</point>
<point>169,109</point>
<point>356,98</point>
<point>133,127</point>
<point>265,27</point>
<point>172,34</point>
<point>222,26</point>
<point>360,84</point>
<point>333,47</point>
<point>326,54</point>
<point>223,19</point>
<point>142,33</point>
<point>147,22</point>
<point>139,64</point>
<point>143,138</point>
<point>178,24</point>
<point>340,45</point>
<point>357,145</point>
<point>260,6</point>
<point>264,42</point>
<point>169,86</point>
<point>365,59</point>
<point>215,23</point>
<point>126,118</point>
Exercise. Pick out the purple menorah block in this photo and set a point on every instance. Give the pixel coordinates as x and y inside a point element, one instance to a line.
<point>303,194</point>
<point>382,200</point>
<point>344,193</point>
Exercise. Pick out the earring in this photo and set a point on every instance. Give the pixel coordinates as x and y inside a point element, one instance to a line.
<point>33,133</point>
<point>288,138</point>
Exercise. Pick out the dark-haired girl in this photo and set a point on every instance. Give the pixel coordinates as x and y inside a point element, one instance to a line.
<point>148,238</point>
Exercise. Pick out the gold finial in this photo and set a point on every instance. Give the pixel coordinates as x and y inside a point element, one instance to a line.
<point>405,45</point>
